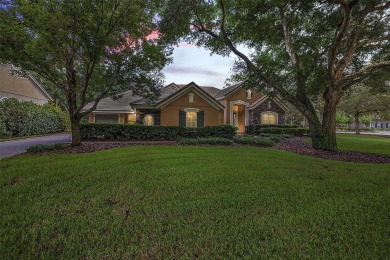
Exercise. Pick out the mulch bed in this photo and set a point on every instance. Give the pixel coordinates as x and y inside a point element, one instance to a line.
<point>295,145</point>
<point>299,146</point>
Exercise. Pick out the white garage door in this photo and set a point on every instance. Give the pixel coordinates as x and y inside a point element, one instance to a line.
<point>106,118</point>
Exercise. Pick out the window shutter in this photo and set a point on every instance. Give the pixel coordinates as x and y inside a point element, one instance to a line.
<point>182,118</point>
<point>200,119</point>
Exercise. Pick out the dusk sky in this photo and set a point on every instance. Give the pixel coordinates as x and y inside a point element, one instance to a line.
<point>192,63</point>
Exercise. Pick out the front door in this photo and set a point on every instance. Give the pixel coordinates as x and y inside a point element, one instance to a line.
<point>239,117</point>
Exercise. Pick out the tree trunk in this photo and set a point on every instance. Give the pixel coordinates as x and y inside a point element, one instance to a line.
<point>324,135</point>
<point>357,124</point>
<point>75,128</point>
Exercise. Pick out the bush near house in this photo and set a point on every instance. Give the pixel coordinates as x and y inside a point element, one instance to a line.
<point>43,147</point>
<point>276,129</point>
<point>123,132</point>
<point>22,118</point>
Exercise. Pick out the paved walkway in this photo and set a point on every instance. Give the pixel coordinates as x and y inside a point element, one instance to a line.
<point>14,147</point>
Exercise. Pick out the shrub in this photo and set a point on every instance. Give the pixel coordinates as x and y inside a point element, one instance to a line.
<point>206,140</point>
<point>21,118</point>
<point>276,129</point>
<point>275,137</point>
<point>280,136</point>
<point>155,133</point>
<point>250,140</point>
<point>44,148</point>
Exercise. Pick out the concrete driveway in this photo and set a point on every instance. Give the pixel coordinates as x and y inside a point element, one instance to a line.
<point>14,147</point>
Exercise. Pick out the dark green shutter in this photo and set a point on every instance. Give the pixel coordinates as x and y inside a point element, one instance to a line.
<point>182,118</point>
<point>200,119</point>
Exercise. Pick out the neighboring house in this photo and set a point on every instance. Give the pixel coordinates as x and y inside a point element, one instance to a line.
<point>192,106</point>
<point>380,124</point>
<point>15,84</point>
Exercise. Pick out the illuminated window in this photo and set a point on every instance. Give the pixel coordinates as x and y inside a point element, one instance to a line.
<point>148,120</point>
<point>268,118</point>
<point>191,119</point>
<point>131,119</point>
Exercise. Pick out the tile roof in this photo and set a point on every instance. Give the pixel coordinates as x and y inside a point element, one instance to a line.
<point>212,91</point>
<point>123,101</point>
<point>120,102</point>
<point>226,91</point>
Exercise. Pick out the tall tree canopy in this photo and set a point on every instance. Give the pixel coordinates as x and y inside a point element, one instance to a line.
<point>299,49</point>
<point>88,49</point>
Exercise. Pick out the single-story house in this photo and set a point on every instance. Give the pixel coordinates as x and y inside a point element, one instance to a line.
<point>192,106</point>
<point>22,86</point>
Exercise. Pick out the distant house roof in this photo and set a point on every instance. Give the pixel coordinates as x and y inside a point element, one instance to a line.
<point>116,103</point>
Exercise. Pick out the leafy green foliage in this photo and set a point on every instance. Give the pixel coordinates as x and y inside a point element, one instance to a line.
<point>140,132</point>
<point>45,148</point>
<point>84,50</point>
<point>254,141</point>
<point>23,118</point>
<point>276,129</point>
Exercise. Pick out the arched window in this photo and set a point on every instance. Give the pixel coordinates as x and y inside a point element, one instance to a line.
<point>269,118</point>
<point>148,120</point>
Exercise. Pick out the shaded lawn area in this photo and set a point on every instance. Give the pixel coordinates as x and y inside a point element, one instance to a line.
<point>363,143</point>
<point>208,202</point>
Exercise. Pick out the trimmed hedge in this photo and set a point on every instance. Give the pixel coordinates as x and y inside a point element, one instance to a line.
<point>22,118</point>
<point>124,132</point>
<point>274,126</point>
<point>250,140</point>
<point>49,147</point>
<point>276,129</point>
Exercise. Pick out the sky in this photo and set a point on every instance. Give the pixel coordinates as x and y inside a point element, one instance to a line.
<point>192,63</point>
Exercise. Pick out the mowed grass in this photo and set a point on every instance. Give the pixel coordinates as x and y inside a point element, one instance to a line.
<point>192,202</point>
<point>364,143</point>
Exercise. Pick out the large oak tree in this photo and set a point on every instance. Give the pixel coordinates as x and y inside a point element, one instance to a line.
<point>299,49</point>
<point>87,49</point>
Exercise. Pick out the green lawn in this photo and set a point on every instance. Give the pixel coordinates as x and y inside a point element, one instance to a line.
<point>188,202</point>
<point>363,143</point>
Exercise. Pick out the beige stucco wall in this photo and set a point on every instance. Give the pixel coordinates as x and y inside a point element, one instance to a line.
<point>239,95</point>
<point>170,114</point>
<point>19,87</point>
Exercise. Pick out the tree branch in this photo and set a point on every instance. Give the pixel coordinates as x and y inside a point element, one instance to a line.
<point>287,38</point>
<point>348,80</point>
<point>247,61</point>
<point>339,37</point>
<point>363,43</point>
<point>348,55</point>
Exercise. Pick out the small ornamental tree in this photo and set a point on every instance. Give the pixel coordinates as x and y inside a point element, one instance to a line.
<point>299,50</point>
<point>87,49</point>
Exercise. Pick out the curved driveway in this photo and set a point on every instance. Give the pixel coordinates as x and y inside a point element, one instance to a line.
<point>14,147</point>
